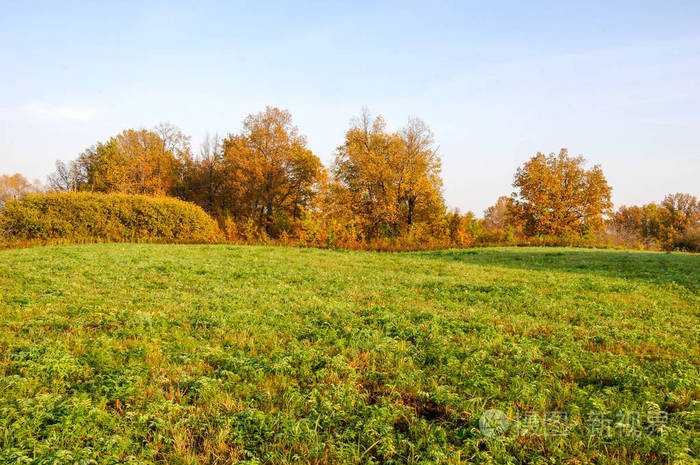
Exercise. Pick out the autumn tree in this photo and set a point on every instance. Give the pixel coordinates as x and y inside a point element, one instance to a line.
<point>99,168</point>
<point>176,146</point>
<point>418,166</point>
<point>500,215</point>
<point>629,224</point>
<point>667,224</point>
<point>363,187</point>
<point>68,176</point>
<point>388,180</point>
<point>15,186</point>
<point>134,161</point>
<point>144,164</point>
<point>556,195</point>
<point>270,175</point>
<point>463,228</point>
<point>204,177</point>
<point>682,210</point>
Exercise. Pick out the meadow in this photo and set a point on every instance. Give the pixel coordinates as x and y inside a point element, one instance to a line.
<point>138,353</point>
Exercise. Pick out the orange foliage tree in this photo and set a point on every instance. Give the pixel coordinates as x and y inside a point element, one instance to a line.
<point>673,223</point>
<point>682,210</point>
<point>387,181</point>
<point>132,162</point>
<point>14,186</point>
<point>202,180</point>
<point>269,171</point>
<point>557,196</point>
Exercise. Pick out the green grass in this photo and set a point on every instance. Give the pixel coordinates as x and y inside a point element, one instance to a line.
<point>217,354</point>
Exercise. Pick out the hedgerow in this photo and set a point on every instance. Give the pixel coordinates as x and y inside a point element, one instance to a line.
<point>83,216</point>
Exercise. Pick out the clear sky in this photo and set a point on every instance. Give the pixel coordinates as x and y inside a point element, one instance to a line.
<point>615,81</point>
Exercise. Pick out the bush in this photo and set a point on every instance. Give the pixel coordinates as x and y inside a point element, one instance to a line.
<point>689,241</point>
<point>80,217</point>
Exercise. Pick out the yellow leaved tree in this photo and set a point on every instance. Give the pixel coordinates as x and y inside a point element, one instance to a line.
<point>387,181</point>
<point>557,196</point>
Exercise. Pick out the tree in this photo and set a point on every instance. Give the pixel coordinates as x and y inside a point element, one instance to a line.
<point>556,195</point>
<point>176,144</point>
<point>144,164</point>
<point>364,185</point>
<point>674,222</point>
<point>15,186</point>
<point>68,176</point>
<point>204,177</point>
<point>499,216</point>
<point>388,180</point>
<point>136,161</point>
<point>630,224</point>
<point>682,210</point>
<point>270,175</point>
<point>418,167</point>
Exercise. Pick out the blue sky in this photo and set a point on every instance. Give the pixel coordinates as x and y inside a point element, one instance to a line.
<point>617,82</point>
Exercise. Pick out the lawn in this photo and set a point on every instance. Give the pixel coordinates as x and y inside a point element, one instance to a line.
<point>218,354</point>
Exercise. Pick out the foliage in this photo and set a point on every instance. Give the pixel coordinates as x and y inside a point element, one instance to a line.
<point>672,224</point>
<point>133,162</point>
<point>557,196</point>
<point>387,181</point>
<point>501,224</point>
<point>15,186</point>
<point>382,192</point>
<point>109,217</point>
<point>269,171</point>
<point>452,230</point>
<point>204,179</point>
<point>133,353</point>
<point>689,240</point>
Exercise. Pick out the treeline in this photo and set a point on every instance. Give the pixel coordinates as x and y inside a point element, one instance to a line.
<point>382,191</point>
<point>670,224</point>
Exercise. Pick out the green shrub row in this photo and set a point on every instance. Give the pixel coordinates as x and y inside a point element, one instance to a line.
<point>84,216</point>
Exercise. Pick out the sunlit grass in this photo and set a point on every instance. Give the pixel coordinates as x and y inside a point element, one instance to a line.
<point>215,354</point>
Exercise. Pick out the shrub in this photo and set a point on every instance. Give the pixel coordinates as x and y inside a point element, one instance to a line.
<point>689,241</point>
<point>78,217</point>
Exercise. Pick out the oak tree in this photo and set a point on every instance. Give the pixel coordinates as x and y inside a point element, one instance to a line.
<point>270,174</point>
<point>556,195</point>
<point>387,181</point>
<point>136,161</point>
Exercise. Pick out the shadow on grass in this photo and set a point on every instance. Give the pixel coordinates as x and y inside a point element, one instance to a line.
<point>652,267</point>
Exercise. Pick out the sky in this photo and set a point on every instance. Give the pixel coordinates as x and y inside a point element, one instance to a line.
<point>615,81</point>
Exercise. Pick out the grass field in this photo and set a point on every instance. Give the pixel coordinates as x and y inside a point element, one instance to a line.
<point>217,354</point>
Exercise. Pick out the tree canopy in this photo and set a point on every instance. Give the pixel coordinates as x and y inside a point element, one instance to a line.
<point>556,195</point>
<point>269,171</point>
<point>264,182</point>
<point>14,186</point>
<point>388,181</point>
